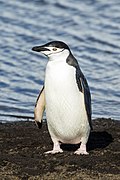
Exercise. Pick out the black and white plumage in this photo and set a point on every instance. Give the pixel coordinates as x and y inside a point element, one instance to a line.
<point>66,97</point>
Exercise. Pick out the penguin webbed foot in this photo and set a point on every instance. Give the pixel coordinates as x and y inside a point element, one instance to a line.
<point>56,148</point>
<point>54,151</point>
<point>81,150</point>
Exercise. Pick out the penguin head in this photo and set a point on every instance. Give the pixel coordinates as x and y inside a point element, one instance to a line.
<point>53,49</point>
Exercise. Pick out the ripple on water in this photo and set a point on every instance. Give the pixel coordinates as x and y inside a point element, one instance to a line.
<point>91,29</point>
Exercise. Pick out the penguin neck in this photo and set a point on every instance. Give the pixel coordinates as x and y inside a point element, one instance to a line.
<point>61,56</point>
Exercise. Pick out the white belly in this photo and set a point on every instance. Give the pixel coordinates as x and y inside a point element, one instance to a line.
<point>65,109</point>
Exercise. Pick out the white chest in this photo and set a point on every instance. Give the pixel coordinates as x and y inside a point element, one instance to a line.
<point>60,82</point>
<point>65,108</point>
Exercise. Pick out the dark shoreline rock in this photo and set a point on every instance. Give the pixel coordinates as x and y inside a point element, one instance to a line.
<point>22,147</point>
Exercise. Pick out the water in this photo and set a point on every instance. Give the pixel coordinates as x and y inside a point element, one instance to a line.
<point>92,30</point>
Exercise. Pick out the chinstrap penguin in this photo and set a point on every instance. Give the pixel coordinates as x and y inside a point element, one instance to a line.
<point>66,98</point>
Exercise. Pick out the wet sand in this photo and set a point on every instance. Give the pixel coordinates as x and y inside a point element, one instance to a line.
<point>22,147</point>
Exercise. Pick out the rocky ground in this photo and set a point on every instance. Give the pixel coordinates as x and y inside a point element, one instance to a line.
<point>22,147</point>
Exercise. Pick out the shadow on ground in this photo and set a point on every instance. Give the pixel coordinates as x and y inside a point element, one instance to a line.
<point>96,140</point>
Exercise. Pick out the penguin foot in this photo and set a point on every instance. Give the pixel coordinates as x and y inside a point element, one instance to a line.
<point>54,151</point>
<point>81,150</point>
<point>78,152</point>
<point>56,148</point>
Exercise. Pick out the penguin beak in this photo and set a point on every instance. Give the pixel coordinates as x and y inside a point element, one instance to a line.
<point>40,48</point>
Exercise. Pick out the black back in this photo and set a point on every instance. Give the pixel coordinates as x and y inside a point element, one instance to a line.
<point>82,85</point>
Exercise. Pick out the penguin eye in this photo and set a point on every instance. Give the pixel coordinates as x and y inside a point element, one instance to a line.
<point>54,49</point>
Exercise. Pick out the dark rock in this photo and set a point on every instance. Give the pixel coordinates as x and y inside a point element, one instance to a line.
<point>23,145</point>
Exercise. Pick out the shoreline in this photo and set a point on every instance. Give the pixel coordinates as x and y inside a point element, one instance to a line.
<point>23,146</point>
